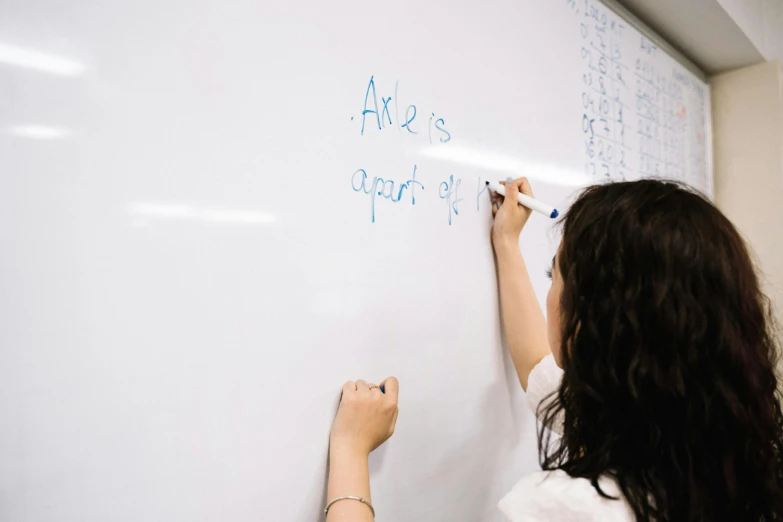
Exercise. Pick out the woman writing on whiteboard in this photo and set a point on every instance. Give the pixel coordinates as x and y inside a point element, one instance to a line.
<point>655,367</point>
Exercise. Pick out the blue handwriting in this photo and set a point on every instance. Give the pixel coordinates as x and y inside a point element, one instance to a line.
<point>385,188</point>
<point>449,190</point>
<point>482,187</point>
<point>381,118</point>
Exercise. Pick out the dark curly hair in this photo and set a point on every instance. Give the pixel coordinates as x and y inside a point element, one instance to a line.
<point>668,352</point>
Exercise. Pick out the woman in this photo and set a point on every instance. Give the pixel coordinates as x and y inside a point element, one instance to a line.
<point>667,399</point>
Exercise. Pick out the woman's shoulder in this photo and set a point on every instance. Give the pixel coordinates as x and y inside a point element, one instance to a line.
<point>553,495</point>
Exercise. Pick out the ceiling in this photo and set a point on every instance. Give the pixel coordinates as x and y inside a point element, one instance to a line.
<point>700,29</point>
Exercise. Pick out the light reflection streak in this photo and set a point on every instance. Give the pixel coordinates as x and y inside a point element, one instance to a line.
<point>39,61</point>
<point>181,211</point>
<point>509,165</point>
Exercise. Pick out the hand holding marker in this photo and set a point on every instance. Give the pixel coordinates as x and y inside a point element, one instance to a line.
<point>527,201</point>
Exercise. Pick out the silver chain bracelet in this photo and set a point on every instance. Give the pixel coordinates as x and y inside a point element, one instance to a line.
<point>349,497</point>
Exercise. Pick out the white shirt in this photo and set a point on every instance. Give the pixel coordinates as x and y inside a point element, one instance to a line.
<point>552,495</point>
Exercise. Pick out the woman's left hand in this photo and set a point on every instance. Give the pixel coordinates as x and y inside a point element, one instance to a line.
<point>366,416</point>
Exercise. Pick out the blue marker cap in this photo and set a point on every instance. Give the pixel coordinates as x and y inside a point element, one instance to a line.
<point>554,214</point>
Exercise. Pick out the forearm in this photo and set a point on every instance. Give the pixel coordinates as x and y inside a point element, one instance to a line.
<point>523,320</point>
<point>349,475</point>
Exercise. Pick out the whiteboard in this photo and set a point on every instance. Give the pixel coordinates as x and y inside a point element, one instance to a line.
<point>195,254</point>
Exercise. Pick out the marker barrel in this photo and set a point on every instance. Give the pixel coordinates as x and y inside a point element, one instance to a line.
<point>527,201</point>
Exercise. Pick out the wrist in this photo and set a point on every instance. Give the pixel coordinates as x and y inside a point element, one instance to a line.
<point>346,450</point>
<point>505,245</point>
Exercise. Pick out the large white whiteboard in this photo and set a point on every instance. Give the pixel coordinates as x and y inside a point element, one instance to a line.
<point>191,264</point>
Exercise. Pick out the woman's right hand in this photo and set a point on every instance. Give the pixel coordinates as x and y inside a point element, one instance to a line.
<point>510,216</point>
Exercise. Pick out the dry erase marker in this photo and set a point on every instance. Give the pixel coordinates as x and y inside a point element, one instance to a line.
<point>532,204</point>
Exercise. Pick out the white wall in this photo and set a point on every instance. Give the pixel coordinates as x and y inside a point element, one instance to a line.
<point>747,107</point>
<point>762,22</point>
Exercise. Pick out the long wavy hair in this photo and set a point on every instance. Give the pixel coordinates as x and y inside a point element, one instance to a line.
<point>669,353</point>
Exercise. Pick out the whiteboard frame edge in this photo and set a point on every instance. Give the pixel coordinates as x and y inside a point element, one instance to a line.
<point>689,65</point>
<point>657,39</point>
<point>710,159</point>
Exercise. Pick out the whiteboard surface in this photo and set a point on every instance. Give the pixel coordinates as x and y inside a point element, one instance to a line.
<point>195,255</point>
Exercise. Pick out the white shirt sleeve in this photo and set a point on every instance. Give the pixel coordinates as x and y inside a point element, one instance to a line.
<point>545,379</point>
<point>553,496</point>
<point>549,496</point>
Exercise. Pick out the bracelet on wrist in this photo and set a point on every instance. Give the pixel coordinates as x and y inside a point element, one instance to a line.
<point>349,497</point>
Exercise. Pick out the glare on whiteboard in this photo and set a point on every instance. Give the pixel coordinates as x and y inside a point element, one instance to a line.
<point>179,211</point>
<point>31,59</point>
<point>38,132</point>
<point>509,165</point>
